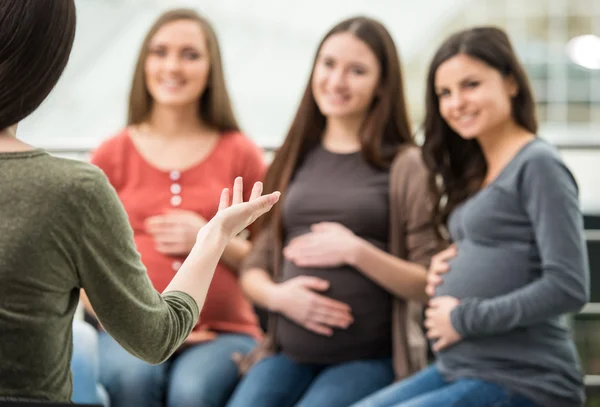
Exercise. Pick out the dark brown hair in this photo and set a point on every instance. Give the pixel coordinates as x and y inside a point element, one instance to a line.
<point>384,130</point>
<point>215,106</point>
<point>457,166</point>
<point>36,37</point>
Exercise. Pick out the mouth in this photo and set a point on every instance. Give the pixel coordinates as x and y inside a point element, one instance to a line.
<point>337,98</point>
<point>172,84</point>
<point>465,119</point>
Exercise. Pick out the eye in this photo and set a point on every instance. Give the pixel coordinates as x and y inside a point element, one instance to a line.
<point>357,70</point>
<point>191,55</point>
<point>328,62</point>
<point>159,52</point>
<point>471,84</point>
<point>443,92</point>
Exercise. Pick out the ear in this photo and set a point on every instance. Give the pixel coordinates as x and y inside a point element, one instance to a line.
<point>512,87</point>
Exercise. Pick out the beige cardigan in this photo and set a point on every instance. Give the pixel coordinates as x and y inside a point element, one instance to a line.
<point>411,238</point>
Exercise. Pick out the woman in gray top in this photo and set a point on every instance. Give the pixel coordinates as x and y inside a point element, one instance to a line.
<point>519,260</point>
<point>63,228</point>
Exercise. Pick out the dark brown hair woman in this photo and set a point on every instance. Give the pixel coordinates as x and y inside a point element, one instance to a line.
<point>519,260</point>
<point>342,261</point>
<point>63,228</point>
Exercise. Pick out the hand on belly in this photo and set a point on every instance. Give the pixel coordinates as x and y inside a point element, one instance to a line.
<point>298,300</point>
<point>328,244</point>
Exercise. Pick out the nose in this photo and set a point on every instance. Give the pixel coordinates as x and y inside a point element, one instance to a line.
<point>457,100</point>
<point>337,78</point>
<point>172,63</point>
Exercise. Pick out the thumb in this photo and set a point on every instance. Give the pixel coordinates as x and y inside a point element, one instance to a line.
<point>315,283</point>
<point>264,203</point>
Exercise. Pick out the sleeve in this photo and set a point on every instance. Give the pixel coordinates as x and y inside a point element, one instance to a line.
<point>550,198</point>
<point>421,240</point>
<point>148,325</point>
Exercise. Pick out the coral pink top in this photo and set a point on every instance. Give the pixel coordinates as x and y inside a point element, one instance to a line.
<point>148,191</point>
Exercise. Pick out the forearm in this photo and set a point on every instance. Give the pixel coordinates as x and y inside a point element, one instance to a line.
<point>196,273</point>
<point>537,302</point>
<point>400,277</point>
<point>235,252</point>
<point>259,287</point>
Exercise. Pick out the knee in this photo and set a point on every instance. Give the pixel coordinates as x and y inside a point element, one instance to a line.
<point>195,390</point>
<point>133,376</point>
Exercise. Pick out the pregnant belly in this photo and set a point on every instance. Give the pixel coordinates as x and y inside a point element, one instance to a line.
<point>486,271</point>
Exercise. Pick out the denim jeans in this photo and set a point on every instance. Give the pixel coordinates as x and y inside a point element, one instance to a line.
<point>203,375</point>
<point>84,366</point>
<point>429,389</point>
<point>278,381</point>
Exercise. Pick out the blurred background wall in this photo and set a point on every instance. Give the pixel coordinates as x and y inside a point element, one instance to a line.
<point>268,47</point>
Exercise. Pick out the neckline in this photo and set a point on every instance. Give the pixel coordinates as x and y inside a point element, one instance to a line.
<point>337,154</point>
<point>508,164</point>
<point>35,152</point>
<point>168,171</point>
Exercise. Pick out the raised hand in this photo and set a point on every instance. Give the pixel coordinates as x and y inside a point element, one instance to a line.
<point>237,215</point>
<point>439,265</point>
<point>298,300</point>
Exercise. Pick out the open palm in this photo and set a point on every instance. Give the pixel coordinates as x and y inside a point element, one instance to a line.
<point>238,215</point>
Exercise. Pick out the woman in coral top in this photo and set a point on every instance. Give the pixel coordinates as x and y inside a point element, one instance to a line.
<point>181,148</point>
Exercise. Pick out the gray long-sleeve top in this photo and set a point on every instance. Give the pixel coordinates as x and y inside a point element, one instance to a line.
<point>521,265</point>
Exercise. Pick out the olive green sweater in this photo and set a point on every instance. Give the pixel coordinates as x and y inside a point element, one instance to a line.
<point>62,228</point>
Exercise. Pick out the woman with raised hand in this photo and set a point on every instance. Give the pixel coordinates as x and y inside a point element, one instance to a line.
<point>518,263</point>
<point>342,265</point>
<point>64,228</point>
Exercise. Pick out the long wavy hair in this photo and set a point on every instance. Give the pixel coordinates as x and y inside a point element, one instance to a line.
<point>457,166</point>
<point>385,129</point>
<point>215,107</point>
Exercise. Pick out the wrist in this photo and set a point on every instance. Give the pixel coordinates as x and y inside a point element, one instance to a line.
<point>273,302</point>
<point>355,250</point>
<point>212,234</point>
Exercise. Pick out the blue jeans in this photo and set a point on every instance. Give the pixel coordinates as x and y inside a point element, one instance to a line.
<point>277,381</point>
<point>429,389</point>
<point>84,365</point>
<point>203,375</point>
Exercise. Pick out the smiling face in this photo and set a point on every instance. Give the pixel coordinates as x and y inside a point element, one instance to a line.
<point>178,64</point>
<point>474,98</point>
<point>345,77</point>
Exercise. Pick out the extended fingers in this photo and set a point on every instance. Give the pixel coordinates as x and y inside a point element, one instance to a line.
<point>257,190</point>
<point>238,191</point>
<point>224,201</point>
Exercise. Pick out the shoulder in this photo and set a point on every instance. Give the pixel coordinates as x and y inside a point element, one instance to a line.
<point>74,180</point>
<point>113,143</point>
<point>246,154</point>
<point>541,166</point>
<point>541,159</point>
<point>408,162</point>
<point>240,142</point>
<point>540,152</point>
